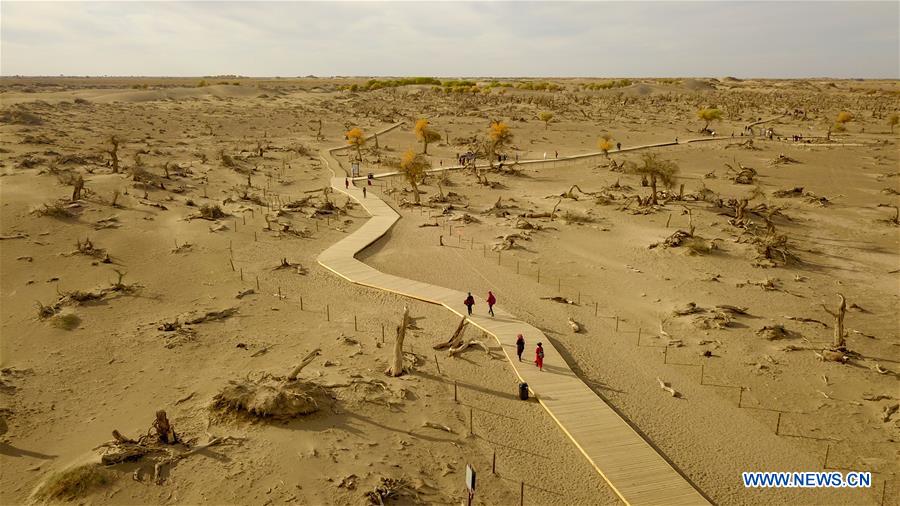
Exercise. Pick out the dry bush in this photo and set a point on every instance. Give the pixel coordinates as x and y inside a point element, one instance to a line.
<point>272,396</point>
<point>227,160</point>
<point>268,398</point>
<point>773,249</point>
<point>73,483</point>
<point>66,321</point>
<point>77,297</point>
<point>699,246</point>
<point>388,489</point>
<point>20,116</point>
<point>577,218</point>
<point>87,248</point>
<point>55,210</point>
<point>211,212</point>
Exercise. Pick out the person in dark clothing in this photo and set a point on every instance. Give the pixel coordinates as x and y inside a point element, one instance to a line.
<point>619,146</point>
<point>539,356</point>
<point>491,300</point>
<point>346,183</point>
<point>520,346</point>
<point>469,302</point>
<point>364,192</point>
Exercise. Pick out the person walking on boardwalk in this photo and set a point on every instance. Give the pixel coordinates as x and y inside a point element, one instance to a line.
<point>364,192</point>
<point>539,356</point>
<point>520,346</point>
<point>469,302</point>
<point>491,300</point>
<point>346,183</point>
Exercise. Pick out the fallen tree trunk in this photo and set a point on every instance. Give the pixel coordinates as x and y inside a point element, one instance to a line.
<point>454,339</point>
<point>303,363</point>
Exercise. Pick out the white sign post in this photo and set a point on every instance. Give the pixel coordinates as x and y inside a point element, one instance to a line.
<point>470,482</point>
<point>354,169</point>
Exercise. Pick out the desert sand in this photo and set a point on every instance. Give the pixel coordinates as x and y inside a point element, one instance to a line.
<point>214,212</point>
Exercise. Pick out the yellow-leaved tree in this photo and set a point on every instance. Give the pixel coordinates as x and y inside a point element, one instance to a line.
<point>605,143</point>
<point>659,171</point>
<point>357,139</point>
<point>709,115</point>
<point>545,117</point>
<point>425,134</point>
<point>413,166</point>
<point>500,137</point>
<point>839,124</point>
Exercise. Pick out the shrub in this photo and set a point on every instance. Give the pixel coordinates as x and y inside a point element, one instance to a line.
<point>66,321</point>
<point>73,483</point>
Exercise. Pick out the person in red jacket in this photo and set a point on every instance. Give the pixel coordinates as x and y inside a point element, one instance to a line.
<point>469,302</point>
<point>539,356</point>
<point>491,300</point>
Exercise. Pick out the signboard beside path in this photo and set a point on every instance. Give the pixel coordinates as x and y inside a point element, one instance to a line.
<point>470,482</point>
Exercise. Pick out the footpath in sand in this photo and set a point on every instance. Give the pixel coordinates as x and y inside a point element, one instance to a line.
<point>631,466</point>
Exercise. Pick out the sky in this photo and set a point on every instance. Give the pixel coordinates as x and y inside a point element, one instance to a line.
<point>840,39</point>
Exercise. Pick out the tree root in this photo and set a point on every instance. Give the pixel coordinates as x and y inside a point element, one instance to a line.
<point>665,386</point>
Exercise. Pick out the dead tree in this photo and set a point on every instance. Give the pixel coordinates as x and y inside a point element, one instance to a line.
<point>114,153</point>
<point>553,212</point>
<point>454,340</point>
<point>164,430</point>
<point>839,342</point>
<point>303,363</point>
<point>77,187</point>
<point>396,368</point>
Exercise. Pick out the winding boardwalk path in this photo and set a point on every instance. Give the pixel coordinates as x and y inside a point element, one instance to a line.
<point>631,466</point>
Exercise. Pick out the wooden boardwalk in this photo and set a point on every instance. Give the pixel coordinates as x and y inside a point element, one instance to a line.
<point>631,466</point>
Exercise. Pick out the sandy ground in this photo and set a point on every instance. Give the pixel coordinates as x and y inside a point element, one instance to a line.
<point>64,391</point>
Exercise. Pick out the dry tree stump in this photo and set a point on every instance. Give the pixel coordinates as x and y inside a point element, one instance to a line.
<point>396,368</point>
<point>839,341</point>
<point>164,430</point>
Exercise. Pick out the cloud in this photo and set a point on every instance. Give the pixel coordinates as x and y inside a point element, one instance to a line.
<point>744,39</point>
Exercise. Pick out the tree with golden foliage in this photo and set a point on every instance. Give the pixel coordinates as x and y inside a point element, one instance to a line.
<point>659,171</point>
<point>357,139</point>
<point>545,117</point>
<point>500,136</point>
<point>413,167</point>
<point>709,115</point>
<point>425,135</point>
<point>839,125</point>
<point>844,117</point>
<point>605,143</point>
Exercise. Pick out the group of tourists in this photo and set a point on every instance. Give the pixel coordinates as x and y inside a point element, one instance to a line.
<point>538,352</point>
<point>465,158</point>
<point>491,300</point>
<point>520,339</point>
